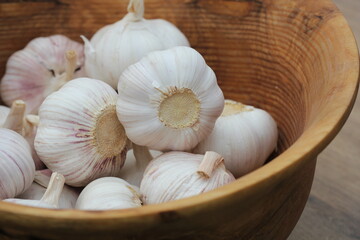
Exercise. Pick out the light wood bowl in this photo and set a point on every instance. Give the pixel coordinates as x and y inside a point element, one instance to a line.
<point>296,59</point>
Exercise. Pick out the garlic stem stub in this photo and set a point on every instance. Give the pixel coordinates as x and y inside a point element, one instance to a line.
<point>169,100</point>
<point>108,193</point>
<point>244,135</point>
<point>51,196</point>
<point>17,168</point>
<point>37,189</point>
<point>176,175</point>
<point>115,47</point>
<point>42,67</point>
<point>79,134</point>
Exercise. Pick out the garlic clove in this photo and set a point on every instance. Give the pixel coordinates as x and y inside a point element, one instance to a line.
<point>244,135</point>
<point>176,175</point>
<point>39,69</point>
<point>79,134</point>
<point>17,168</point>
<point>132,37</point>
<point>169,100</point>
<point>108,193</point>
<point>50,199</point>
<point>136,163</point>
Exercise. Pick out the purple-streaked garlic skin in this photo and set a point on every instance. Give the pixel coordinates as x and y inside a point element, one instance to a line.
<point>35,71</point>
<point>79,134</point>
<point>37,189</point>
<point>174,175</point>
<point>17,168</point>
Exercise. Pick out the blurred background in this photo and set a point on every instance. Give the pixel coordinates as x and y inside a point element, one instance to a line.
<point>333,209</point>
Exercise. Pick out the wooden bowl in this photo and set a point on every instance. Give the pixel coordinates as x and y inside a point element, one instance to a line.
<point>296,59</point>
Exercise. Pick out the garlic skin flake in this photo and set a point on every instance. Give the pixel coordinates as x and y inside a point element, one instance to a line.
<point>115,47</point>
<point>244,135</point>
<point>169,100</point>
<point>176,175</point>
<point>4,112</point>
<point>17,168</point>
<point>108,193</point>
<point>50,199</point>
<point>79,134</point>
<point>41,68</point>
<point>38,188</point>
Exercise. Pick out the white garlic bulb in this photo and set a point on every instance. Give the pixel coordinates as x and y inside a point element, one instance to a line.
<point>244,135</point>
<point>108,193</point>
<point>169,100</point>
<point>26,125</point>
<point>37,189</point>
<point>50,199</point>
<point>79,134</point>
<point>17,168</point>
<point>115,47</point>
<point>177,175</point>
<point>41,68</point>
<point>136,162</point>
<point>4,112</point>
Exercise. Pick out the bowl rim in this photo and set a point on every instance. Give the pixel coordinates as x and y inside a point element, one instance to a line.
<point>298,152</point>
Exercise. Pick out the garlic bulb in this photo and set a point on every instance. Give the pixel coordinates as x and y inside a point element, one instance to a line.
<point>169,100</point>
<point>51,196</point>
<point>41,68</point>
<point>115,47</point>
<point>17,168</point>
<point>176,175</point>
<point>16,120</point>
<point>108,193</point>
<point>37,189</point>
<point>136,162</point>
<point>244,135</point>
<point>79,134</point>
<point>4,112</point>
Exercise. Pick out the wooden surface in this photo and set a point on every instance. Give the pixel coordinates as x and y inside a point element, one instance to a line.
<point>333,209</point>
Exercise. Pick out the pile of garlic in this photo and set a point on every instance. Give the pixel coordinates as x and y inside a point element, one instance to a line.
<point>136,85</point>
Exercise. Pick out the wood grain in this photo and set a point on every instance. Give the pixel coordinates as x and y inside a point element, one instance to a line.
<point>296,59</point>
<point>333,209</point>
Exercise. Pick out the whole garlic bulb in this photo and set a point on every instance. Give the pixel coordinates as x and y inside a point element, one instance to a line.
<point>79,134</point>
<point>244,135</point>
<point>115,47</point>
<point>38,188</point>
<point>169,100</point>
<point>14,118</point>
<point>136,162</point>
<point>176,175</point>
<point>41,68</point>
<point>108,193</point>
<point>51,196</point>
<point>17,168</point>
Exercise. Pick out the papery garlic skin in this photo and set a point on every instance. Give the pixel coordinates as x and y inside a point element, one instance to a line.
<point>79,134</point>
<point>39,69</point>
<point>37,189</point>
<point>108,193</point>
<point>174,175</point>
<point>133,169</point>
<point>4,112</point>
<point>115,47</point>
<point>169,100</point>
<point>17,168</point>
<point>244,135</point>
<point>50,199</point>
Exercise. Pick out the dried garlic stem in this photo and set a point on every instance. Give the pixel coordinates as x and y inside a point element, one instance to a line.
<point>15,119</point>
<point>136,7</point>
<point>71,58</point>
<point>31,121</point>
<point>54,189</point>
<point>142,156</point>
<point>42,177</point>
<point>209,163</point>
